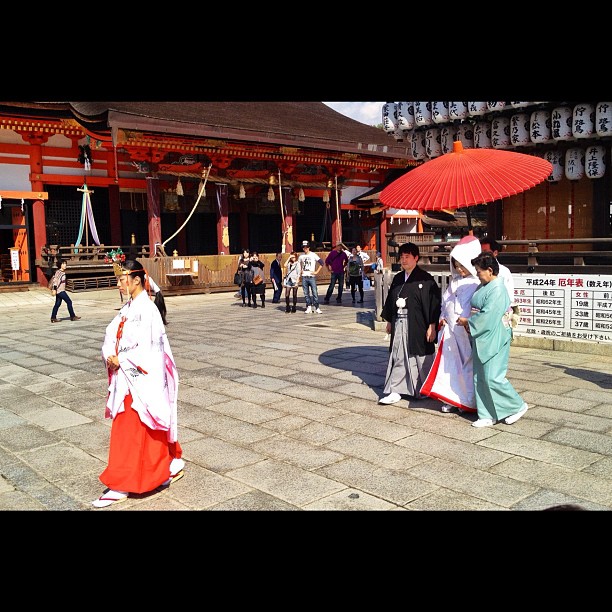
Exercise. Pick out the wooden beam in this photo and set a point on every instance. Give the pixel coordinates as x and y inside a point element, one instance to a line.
<point>26,195</point>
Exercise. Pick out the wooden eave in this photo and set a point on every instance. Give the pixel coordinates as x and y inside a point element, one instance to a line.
<point>146,125</point>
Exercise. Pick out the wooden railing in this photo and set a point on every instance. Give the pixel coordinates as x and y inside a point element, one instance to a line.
<point>588,255</point>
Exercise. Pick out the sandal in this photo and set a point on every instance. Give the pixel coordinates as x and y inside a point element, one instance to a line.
<point>109,498</point>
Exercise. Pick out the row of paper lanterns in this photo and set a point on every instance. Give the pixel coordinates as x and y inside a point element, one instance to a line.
<point>576,163</point>
<point>408,115</point>
<point>562,123</point>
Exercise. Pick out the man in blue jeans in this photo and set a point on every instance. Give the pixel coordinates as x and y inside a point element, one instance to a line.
<point>336,264</point>
<point>310,264</point>
<point>59,291</point>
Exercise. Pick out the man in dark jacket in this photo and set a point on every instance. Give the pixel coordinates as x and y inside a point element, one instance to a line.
<point>276,276</point>
<point>412,311</point>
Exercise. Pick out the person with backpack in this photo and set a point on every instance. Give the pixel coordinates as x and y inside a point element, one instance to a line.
<point>355,272</point>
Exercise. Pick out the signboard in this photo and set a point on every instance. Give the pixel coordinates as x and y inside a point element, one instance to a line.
<point>564,306</point>
<point>14,258</point>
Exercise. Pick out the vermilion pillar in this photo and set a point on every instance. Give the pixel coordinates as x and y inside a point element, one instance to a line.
<point>38,207</point>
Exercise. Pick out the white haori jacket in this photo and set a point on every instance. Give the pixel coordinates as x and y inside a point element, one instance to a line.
<point>147,369</point>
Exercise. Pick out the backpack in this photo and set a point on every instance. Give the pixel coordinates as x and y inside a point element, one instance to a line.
<point>353,268</point>
<point>50,283</point>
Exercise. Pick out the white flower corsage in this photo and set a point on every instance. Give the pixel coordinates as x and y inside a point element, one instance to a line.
<point>420,285</point>
<point>400,302</point>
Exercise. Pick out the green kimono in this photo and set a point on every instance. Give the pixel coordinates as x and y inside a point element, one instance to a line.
<point>496,398</point>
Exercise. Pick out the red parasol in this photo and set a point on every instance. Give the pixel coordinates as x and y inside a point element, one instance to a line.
<point>465,178</point>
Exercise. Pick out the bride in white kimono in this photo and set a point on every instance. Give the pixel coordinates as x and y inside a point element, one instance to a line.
<point>451,378</point>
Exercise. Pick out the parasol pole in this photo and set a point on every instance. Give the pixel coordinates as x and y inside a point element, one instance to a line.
<point>468,217</point>
<point>280,197</point>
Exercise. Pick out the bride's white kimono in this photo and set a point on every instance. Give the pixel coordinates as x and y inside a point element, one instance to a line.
<point>147,369</point>
<point>451,378</point>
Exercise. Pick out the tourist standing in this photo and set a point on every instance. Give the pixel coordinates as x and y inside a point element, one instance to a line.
<point>355,273</point>
<point>276,277</point>
<point>258,283</point>
<point>336,264</point>
<point>310,265</point>
<point>290,281</point>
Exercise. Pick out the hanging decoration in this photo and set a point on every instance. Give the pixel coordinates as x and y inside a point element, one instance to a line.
<point>87,219</point>
<point>271,196</point>
<point>205,174</point>
<point>85,156</point>
<point>21,204</point>
<point>179,187</point>
<point>338,215</point>
<point>283,213</point>
<point>301,196</point>
<point>0,202</point>
<point>202,189</point>
<point>242,192</point>
<point>326,196</point>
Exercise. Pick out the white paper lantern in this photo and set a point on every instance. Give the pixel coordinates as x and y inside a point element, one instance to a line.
<point>482,135</point>
<point>500,133</point>
<point>439,112</point>
<point>405,115</point>
<point>519,104</point>
<point>556,159</point>
<point>433,147</point>
<point>477,109</point>
<point>447,137</point>
<point>583,121</point>
<point>496,106</point>
<point>465,133</point>
<point>457,110</point>
<point>603,119</point>
<point>574,163</point>
<point>561,123</point>
<point>519,130</point>
<point>417,145</point>
<point>389,117</point>
<point>422,114</point>
<point>595,162</point>
<point>540,126</point>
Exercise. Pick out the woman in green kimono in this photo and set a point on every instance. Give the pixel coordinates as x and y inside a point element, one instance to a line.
<point>496,398</point>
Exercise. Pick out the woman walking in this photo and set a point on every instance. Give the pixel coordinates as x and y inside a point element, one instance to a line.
<point>59,291</point>
<point>144,451</point>
<point>496,398</point>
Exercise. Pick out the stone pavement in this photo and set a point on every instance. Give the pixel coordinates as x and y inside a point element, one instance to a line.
<point>279,412</point>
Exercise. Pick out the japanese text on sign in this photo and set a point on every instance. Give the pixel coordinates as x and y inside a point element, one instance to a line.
<point>570,306</point>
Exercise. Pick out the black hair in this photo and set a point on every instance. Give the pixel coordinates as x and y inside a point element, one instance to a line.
<point>409,248</point>
<point>486,260</point>
<point>495,246</point>
<point>60,262</point>
<point>137,269</point>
